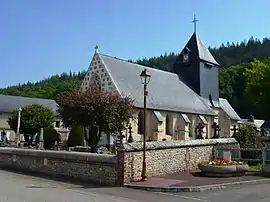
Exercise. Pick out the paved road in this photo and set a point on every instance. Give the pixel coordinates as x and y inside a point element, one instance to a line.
<point>16,187</point>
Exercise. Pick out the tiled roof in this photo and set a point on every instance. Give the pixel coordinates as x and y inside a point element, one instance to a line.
<point>199,50</point>
<point>165,90</point>
<point>225,105</point>
<point>9,103</point>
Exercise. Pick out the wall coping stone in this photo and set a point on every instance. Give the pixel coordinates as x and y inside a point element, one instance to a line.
<point>156,145</point>
<point>65,155</point>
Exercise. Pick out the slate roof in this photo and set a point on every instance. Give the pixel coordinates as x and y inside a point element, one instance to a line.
<point>199,50</point>
<point>165,90</point>
<point>257,122</point>
<point>9,103</point>
<point>225,105</point>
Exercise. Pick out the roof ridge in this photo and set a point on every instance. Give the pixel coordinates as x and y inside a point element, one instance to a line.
<point>124,60</point>
<point>26,97</point>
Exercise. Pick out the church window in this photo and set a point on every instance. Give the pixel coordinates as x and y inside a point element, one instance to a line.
<point>140,123</point>
<point>169,125</point>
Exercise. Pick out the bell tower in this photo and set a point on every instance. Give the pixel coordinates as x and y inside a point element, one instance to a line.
<point>197,68</point>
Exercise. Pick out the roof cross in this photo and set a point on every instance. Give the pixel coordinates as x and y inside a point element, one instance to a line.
<point>194,21</point>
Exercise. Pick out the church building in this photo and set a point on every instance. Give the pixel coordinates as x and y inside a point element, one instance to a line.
<point>181,105</point>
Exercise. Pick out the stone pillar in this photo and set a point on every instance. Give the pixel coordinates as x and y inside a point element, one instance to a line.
<point>41,140</point>
<point>120,165</point>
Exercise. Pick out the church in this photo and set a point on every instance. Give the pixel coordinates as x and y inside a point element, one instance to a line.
<point>181,105</point>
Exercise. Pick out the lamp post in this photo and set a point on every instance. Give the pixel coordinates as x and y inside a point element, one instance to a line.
<point>18,127</point>
<point>145,78</point>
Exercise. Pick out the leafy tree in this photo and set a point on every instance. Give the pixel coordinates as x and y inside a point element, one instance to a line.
<point>97,111</point>
<point>76,136</point>
<point>248,137</point>
<point>50,136</point>
<point>33,118</point>
<point>258,85</point>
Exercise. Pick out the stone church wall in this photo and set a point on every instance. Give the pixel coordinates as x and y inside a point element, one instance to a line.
<point>96,168</point>
<point>164,157</point>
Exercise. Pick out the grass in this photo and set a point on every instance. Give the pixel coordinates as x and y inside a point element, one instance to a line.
<point>255,168</point>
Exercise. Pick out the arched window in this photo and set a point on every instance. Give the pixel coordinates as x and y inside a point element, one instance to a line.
<point>140,123</point>
<point>169,125</point>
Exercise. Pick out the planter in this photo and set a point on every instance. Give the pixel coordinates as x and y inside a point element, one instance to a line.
<point>242,168</point>
<point>223,171</point>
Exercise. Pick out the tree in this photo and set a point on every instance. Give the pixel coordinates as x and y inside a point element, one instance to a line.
<point>33,118</point>
<point>248,137</point>
<point>258,85</point>
<point>50,136</point>
<point>76,136</point>
<point>97,111</point>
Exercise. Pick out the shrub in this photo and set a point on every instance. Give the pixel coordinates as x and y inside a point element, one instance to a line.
<point>76,136</point>
<point>50,135</point>
<point>247,138</point>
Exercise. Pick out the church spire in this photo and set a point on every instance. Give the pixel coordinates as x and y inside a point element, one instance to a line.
<point>194,21</point>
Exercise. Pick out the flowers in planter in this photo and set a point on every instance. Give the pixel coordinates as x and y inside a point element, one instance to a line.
<point>219,162</point>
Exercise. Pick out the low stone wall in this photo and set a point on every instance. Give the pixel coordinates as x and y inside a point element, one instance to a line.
<point>96,168</point>
<point>166,157</point>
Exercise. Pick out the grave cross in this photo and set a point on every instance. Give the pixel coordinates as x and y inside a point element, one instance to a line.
<point>199,131</point>
<point>216,128</point>
<point>130,138</point>
<point>234,129</point>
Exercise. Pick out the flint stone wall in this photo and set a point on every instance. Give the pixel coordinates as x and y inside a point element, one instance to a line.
<point>96,168</point>
<point>166,157</point>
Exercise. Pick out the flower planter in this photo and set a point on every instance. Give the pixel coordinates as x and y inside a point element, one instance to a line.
<point>223,170</point>
<point>242,168</point>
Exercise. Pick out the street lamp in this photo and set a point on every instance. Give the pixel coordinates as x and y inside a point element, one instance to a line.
<point>18,127</point>
<point>145,78</point>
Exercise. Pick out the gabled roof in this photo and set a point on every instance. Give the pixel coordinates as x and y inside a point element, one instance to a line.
<point>199,50</point>
<point>225,105</point>
<point>9,103</point>
<point>165,90</point>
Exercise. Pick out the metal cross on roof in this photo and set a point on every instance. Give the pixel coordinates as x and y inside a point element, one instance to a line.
<point>194,21</point>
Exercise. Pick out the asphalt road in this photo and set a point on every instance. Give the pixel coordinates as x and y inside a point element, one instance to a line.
<point>16,187</point>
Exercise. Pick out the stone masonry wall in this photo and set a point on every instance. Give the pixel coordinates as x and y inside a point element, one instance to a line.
<point>97,168</point>
<point>164,157</point>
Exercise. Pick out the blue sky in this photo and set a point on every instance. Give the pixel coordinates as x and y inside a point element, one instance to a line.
<point>40,38</point>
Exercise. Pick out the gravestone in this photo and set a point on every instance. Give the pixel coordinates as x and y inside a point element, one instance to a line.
<point>130,138</point>
<point>216,130</point>
<point>199,131</point>
<point>227,155</point>
<point>234,129</point>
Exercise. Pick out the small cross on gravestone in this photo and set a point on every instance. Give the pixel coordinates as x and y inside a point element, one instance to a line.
<point>216,128</point>
<point>234,129</point>
<point>130,138</point>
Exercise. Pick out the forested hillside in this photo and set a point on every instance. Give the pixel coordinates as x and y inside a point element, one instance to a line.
<point>234,58</point>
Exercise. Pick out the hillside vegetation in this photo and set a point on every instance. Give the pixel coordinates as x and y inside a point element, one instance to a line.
<point>234,58</point>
